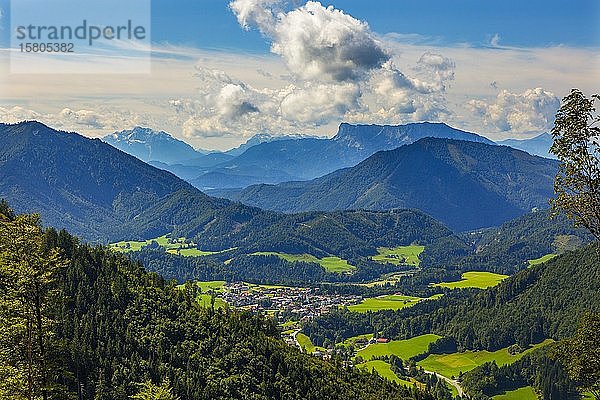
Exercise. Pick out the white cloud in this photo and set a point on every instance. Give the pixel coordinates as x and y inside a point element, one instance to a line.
<point>320,103</point>
<point>76,120</point>
<point>233,95</point>
<point>257,13</point>
<point>325,44</point>
<point>530,111</point>
<point>337,70</point>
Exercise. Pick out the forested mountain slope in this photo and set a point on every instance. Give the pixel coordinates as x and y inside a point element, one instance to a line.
<point>465,184</point>
<point>107,326</point>
<point>106,195</point>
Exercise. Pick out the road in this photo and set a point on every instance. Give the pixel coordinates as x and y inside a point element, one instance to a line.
<point>296,332</point>
<point>452,382</point>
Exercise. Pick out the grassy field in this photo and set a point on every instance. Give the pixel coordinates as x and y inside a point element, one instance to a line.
<point>386,279</point>
<point>306,344</point>
<point>524,393</point>
<point>542,259</point>
<point>452,364</point>
<point>331,264</point>
<point>399,255</point>
<point>391,302</point>
<point>216,286</point>
<point>194,252</point>
<point>177,246</point>
<point>205,299</point>
<point>132,245</point>
<point>404,349</point>
<point>384,370</point>
<point>352,340</point>
<point>475,279</point>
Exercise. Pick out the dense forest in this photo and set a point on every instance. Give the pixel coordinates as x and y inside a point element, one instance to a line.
<point>464,184</point>
<point>83,322</point>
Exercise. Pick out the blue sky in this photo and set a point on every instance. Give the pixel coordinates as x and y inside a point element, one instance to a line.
<point>220,75</point>
<point>210,23</point>
<point>519,23</point>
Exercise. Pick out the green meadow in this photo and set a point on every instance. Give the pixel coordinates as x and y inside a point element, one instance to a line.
<point>194,252</point>
<point>524,393</point>
<point>475,279</point>
<point>406,255</point>
<point>404,349</point>
<point>132,245</point>
<point>390,302</point>
<point>306,344</point>
<point>384,370</point>
<point>205,299</point>
<point>207,286</point>
<point>351,341</point>
<point>453,364</point>
<point>331,264</point>
<point>173,246</point>
<point>542,259</point>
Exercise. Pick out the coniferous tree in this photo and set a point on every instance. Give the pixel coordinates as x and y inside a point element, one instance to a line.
<point>28,296</point>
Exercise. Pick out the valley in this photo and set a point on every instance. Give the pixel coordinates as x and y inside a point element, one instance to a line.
<point>300,200</point>
<point>391,290</point>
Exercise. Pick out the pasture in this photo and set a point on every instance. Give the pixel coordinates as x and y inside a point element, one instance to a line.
<point>306,344</point>
<point>524,393</point>
<point>331,263</point>
<point>351,341</point>
<point>207,286</point>
<point>390,302</point>
<point>401,255</point>
<point>542,259</point>
<point>384,370</point>
<point>404,349</point>
<point>194,252</point>
<point>132,245</point>
<point>453,364</point>
<point>205,299</point>
<point>475,279</point>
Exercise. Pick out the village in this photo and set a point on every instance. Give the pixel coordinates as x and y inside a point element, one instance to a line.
<point>288,303</point>
<point>292,306</point>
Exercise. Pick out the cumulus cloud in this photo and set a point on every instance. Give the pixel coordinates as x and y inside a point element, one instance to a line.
<point>530,111</point>
<point>442,67</point>
<point>338,69</point>
<point>326,44</point>
<point>76,120</point>
<point>258,13</point>
<point>318,103</point>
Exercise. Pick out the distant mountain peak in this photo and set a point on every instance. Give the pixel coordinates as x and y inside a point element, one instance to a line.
<point>261,138</point>
<point>375,137</point>
<point>140,133</point>
<point>538,145</point>
<point>151,145</point>
<point>463,183</point>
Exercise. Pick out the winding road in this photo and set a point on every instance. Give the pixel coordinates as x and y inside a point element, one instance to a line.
<point>452,382</point>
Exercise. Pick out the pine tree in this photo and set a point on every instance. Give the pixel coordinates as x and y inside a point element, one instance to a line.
<point>28,292</point>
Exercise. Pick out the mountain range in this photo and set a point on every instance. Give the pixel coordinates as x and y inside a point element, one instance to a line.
<point>308,158</point>
<point>467,185</point>
<point>267,158</point>
<point>103,194</point>
<point>150,145</point>
<point>538,145</point>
